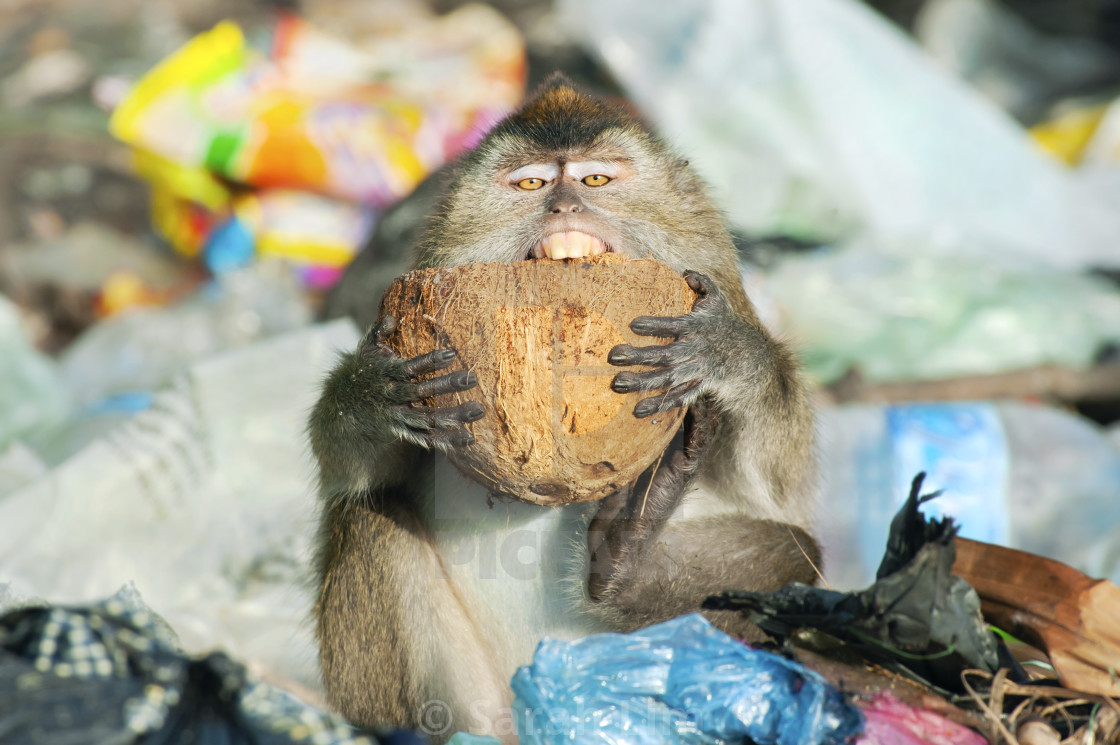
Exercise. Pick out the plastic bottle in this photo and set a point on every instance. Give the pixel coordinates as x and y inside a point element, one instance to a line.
<point>1027,476</point>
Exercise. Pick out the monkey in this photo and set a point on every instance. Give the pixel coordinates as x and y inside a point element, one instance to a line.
<point>430,596</point>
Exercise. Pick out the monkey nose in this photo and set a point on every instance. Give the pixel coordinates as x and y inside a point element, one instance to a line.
<point>566,205</point>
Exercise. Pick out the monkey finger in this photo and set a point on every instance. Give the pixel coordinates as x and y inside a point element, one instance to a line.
<point>437,428</point>
<point>655,356</point>
<point>429,362</point>
<point>384,329</point>
<point>708,295</point>
<point>682,395</point>
<point>700,428</point>
<point>449,439</point>
<point>609,509</point>
<point>627,381</point>
<point>460,380</point>
<point>701,284</point>
<point>659,326</point>
<point>450,417</point>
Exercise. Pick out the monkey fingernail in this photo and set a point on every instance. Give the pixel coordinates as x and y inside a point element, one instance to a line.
<point>645,408</point>
<point>443,355</point>
<point>464,380</point>
<point>474,413</point>
<point>622,384</point>
<point>619,356</point>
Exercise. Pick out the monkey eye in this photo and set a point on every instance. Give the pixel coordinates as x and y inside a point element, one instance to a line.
<point>530,184</point>
<point>596,179</point>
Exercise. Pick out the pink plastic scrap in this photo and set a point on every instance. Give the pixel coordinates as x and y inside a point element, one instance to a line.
<point>888,721</point>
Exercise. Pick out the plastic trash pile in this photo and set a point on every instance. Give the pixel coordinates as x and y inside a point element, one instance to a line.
<point>955,245</point>
<point>950,224</point>
<point>290,151</point>
<point>201,497</point>
<point>115,667</point>
<point>112,672</point>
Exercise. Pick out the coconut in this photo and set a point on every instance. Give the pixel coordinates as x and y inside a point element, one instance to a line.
<point>537,334</point>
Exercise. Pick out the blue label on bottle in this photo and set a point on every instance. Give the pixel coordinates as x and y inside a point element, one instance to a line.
<point>963,450</point>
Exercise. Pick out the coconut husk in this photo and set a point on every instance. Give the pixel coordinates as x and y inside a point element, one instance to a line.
<point>537,334</point>
<point>1051,605</point>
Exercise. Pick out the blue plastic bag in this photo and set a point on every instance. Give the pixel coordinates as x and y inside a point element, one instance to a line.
<point>681,681</point>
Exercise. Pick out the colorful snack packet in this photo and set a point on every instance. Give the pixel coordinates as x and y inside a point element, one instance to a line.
<point>283,122</point>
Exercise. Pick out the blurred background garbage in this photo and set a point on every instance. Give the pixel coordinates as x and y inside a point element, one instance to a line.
<point>924,193</point>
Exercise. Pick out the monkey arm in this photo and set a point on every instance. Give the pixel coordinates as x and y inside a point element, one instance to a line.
<point>365,429</point>
<point>765,439</point>
<point>630,517</point>
<point>650,560</point>
<point>380,580</point>
<point>389,622</point>
<point>746,454</point>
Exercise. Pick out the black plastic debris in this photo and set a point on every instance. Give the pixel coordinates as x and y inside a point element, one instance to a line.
<point>917,615</point>
<point>106,673</point>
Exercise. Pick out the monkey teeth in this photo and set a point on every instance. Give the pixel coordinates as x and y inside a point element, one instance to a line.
<point>570,245</point>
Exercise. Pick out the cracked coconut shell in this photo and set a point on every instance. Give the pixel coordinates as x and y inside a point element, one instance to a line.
<point>537,334</point>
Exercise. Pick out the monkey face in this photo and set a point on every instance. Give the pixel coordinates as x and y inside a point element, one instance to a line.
<point>567,177</point>
<point>567,198</point>
<point>533,204</point>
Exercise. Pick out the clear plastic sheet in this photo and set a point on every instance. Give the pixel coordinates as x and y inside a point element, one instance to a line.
<point>202,499</point>
<point>821,120</point>
<point>923,318</point>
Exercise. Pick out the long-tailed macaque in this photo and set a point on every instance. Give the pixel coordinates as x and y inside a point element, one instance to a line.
<point>431,594</point>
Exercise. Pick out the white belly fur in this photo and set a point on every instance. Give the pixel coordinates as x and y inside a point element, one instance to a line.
<point>519,574</point>
<point>520,569</point>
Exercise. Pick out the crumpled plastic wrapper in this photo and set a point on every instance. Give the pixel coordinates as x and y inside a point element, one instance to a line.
<point>682,681</point>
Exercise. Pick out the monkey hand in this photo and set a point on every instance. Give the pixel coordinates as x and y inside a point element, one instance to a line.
<point>707,340</point>
<point>384,393</point>
<point>631,517</point>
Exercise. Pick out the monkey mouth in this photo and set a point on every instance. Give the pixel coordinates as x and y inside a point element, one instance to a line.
<point>571,244</point>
